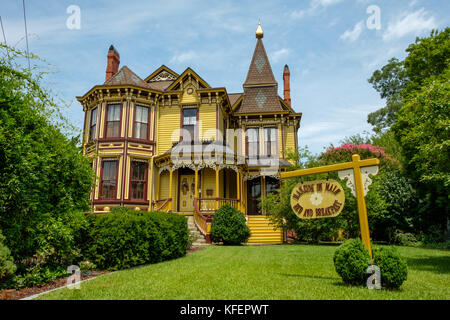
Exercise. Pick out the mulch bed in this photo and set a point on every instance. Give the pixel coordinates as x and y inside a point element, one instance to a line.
<point>61,282</point>
<point>57,283</point>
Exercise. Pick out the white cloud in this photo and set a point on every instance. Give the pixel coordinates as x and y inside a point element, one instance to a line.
<point>314,6</point>
<point>353,35</point>
<point>183,57</point>
<point>279,54</point>
<point>412,23</point>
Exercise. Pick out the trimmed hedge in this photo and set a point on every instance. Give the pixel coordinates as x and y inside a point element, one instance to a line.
<point>229,226</point>
<point>394,270</point>
<point>351,260</point>
<point>125,238</point>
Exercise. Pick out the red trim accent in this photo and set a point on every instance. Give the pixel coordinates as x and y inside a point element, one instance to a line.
<point>120,139</point>
<point>111,201</point>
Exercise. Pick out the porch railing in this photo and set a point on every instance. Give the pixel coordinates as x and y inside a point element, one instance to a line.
<point>163,205</point>
<point>204,209</point>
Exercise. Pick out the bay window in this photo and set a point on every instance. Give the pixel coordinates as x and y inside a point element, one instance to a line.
<point>141,123</point>
<point>93,124</point>
<point>109,179</point>
<point>113,117</point>
<point>138,179</point>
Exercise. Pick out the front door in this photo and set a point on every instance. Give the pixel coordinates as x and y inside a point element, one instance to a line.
<point>253,196</point>
<point>187,192</point>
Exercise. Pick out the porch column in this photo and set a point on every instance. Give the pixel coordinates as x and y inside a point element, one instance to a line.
<point>238,191</point>
<point>150,186</point>
<point>158,180</point>
<point>196,182</point>
<point>241,195</point>
<point>170,187</point>
<point>217,186</point>
<point>263,191</point>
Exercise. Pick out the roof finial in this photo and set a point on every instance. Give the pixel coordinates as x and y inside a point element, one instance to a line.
<point>259,31</point>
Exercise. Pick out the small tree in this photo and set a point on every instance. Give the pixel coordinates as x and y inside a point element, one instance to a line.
<point>229,226</point>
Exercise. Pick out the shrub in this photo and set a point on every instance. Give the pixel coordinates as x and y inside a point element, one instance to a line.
<point>7,266</point>
<point>229,226</point>
<point>351,260</point>
<point>394,270</point>
<point>405,239</point>
<point>127,238</point>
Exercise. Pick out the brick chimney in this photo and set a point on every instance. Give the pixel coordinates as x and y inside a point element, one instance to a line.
<point>287,87</point>
<point>112,66</point>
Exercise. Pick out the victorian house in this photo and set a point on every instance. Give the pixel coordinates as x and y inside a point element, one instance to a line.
<point>171,142</point>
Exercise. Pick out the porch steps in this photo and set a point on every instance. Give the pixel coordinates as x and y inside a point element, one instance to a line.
<point>199,238</point>
<point>262,231</point>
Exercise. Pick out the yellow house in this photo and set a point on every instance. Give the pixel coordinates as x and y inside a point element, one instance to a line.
<point>171,142</point>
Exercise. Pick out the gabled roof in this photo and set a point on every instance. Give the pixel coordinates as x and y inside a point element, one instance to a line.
<point>126,77</point>
<point>163,73</point>
<point>234,97</point>
<point>186,72</point>
<point>260,71</point>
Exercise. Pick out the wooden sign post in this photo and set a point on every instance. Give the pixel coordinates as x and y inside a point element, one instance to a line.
<point>358,180</point>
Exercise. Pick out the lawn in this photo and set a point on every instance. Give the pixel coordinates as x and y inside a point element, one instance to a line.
<point>262,272</point>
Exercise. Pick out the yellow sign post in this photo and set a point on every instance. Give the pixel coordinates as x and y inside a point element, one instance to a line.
<point>357,172</point>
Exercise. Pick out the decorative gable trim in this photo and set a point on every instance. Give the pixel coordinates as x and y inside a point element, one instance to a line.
<point>163,73</point>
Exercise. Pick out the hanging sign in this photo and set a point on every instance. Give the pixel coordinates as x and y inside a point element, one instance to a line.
<point>318,199</point>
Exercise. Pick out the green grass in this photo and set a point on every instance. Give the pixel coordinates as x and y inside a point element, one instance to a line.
<point>262,272</point>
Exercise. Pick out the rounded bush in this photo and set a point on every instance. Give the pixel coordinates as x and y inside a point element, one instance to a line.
<point>229,226</point>
<point>394,269</point>
<point>351,260</point>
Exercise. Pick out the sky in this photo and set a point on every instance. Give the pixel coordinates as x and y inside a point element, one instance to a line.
<point>331,46</point>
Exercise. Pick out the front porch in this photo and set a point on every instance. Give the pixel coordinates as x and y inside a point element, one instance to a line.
<point>199,186</point>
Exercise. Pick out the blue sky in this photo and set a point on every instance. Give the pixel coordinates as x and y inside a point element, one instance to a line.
<point>327,44</point>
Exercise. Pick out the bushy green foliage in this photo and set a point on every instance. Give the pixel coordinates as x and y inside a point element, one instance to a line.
<point>229,226</point>
<point>351,261</point>
<point>423,132</point>
<point>417,114</point>
<point>7,266</point>
<point>124,238</point>
<point>394,270</point>
<point>44,178</point>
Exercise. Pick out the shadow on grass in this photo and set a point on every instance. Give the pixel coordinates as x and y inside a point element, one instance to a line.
<point>434,264</point>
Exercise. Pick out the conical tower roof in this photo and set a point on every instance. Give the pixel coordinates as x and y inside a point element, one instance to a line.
<point>260,71</point>
<point>260,87</point>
